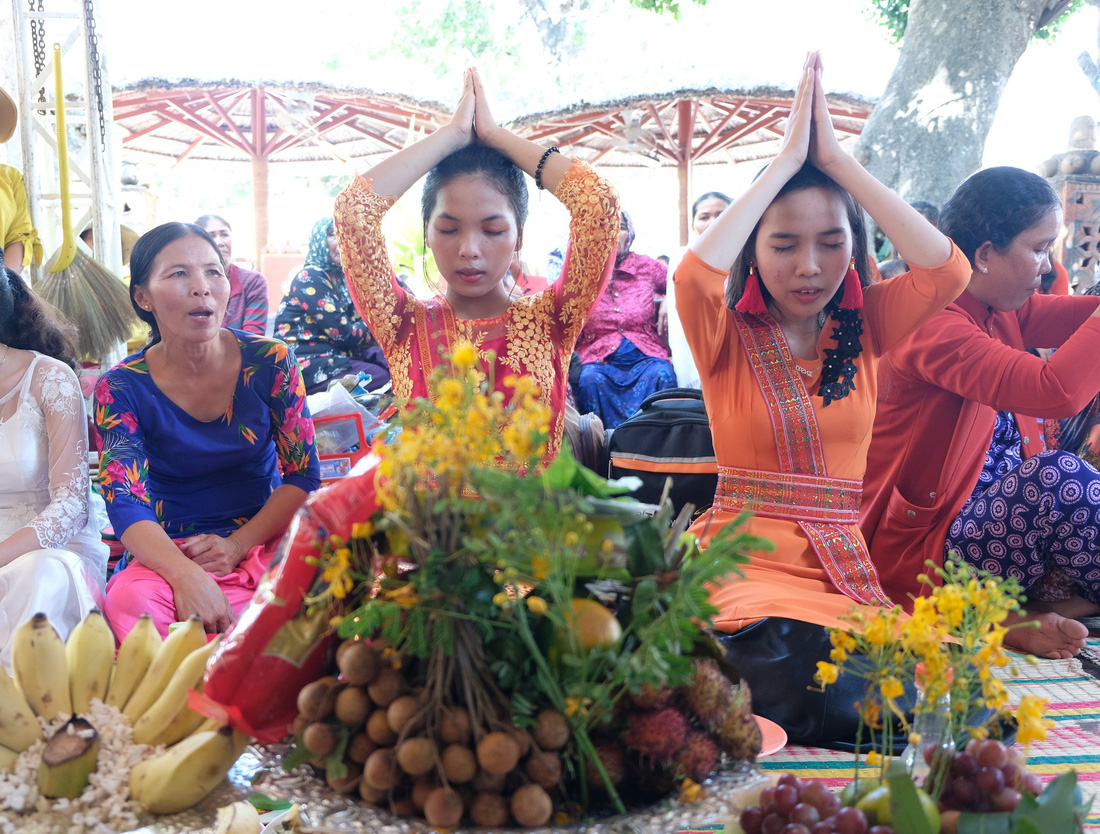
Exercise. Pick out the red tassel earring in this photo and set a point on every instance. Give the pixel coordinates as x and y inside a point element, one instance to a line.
<point>752,300</point>
<point>853,292</point>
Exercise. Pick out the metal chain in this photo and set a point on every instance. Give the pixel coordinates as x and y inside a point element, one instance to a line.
<point>38,41</point>
<point>97,75</point>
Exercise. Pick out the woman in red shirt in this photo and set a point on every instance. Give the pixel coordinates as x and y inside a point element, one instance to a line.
<point>956,460</point>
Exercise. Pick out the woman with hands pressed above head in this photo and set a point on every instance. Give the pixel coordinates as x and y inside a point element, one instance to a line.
<point>787,362</point>
<point>474,206</point>
<point>206,444</point>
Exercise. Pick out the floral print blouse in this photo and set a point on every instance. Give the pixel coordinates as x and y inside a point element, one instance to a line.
<point>158,463</point>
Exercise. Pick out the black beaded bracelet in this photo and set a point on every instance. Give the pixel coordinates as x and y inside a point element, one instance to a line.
<point>538,170</point>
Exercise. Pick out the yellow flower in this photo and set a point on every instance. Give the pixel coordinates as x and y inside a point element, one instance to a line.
<point>1029,715</point>
<point>536,605</point>
<point>873,758</point>
<point>891,688</point>
<point>336,573</point>
<point>690,791</point>
<point>577,706</point>
<point>876,632</point>
<point>826,673</point>
<point>464,356</point>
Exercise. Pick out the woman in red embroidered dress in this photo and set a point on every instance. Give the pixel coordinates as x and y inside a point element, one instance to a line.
<point>474,206</point>
<point>788,378</point>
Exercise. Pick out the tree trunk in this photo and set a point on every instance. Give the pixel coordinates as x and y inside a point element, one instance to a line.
<point>928,130</point>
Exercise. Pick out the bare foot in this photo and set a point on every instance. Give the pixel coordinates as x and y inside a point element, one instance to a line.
<point>1045,634</point>
<point>1074,606</point>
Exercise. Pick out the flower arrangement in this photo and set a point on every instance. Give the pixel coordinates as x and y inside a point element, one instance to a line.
<point>531,636</point>
<point>950,646</point>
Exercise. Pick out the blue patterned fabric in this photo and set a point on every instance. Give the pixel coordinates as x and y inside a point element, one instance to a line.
<point>1042,517</point>
<point>614,388</point>
<point>1003,454</point>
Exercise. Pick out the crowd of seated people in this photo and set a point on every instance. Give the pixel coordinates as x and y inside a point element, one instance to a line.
<point>907,391</point>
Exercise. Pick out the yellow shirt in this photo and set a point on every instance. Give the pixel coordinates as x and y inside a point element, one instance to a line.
<point>15,217</point>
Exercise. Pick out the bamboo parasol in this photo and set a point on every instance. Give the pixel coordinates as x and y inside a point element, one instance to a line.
<point>82,288</point>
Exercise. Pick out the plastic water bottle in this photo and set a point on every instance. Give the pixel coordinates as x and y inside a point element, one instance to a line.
<point>933,724</point>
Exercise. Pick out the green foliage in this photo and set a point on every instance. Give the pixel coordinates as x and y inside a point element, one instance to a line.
<point>893,15</point>
<point>672,7</point>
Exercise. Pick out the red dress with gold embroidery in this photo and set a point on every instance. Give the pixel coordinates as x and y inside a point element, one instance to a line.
<point>535,336</point>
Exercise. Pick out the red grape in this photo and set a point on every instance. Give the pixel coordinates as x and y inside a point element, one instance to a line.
<point>1011,773</point>
<point>795,828</point>
<point>792,780</point>
<point>964,792</point>
<point>826,826</point>
<point>964,765</point>
<point>991,753</point>
<point>766,797</point>
<point>751,818</point>
<point>786,797</point>
<point>816,793</point>
<point>851,821</point>
<point>805,814</point>
<point>990,779</point>
<point>972,747</point>
<point>881,829</point>
<point>1005,800</point>
<point>1031,783</point>
<point>773,824</point>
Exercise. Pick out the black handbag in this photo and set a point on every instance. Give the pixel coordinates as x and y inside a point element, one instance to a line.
<point>667,437</point>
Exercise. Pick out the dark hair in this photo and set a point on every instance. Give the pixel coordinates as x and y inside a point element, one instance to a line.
<point>27,322</point>
<point>838,370</point>
<point>929,211</point>
<point>207,219</point>
<point>478,160</point>
<point>145,252</point>
<point>807,177</point>
<point>892,268</point>
<point>994,206</point>
<point>710,195</point>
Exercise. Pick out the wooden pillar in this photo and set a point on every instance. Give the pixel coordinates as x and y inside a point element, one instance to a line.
<point>259,202</point>
<point>685,132</point>
<point>259,170</point>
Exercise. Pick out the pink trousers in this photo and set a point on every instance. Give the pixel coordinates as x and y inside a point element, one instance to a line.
<point>137,590</point>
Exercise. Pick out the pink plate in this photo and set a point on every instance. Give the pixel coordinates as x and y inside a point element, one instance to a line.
<point>773,737</point>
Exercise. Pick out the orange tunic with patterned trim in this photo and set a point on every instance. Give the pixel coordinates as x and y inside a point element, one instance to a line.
<point>791,582</point>
<point>537,333</point>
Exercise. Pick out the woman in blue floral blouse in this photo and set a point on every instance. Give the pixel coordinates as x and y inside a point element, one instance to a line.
<point>318,319</point>
<point>206,443</point>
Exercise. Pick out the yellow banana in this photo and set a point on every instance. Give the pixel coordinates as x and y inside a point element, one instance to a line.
<point>238,818</point>
<point>90,654</point>
<point>134,657</point>
<point>41,672</point>
<point>19,729</point>
<point>8,759</point>
<point>185,773</point>
<point>168,718</point>
<point>169,656</point>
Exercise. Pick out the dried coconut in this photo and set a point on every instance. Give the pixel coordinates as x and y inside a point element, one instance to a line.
<point>104,807</point>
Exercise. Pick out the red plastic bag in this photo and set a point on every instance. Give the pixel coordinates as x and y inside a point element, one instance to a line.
<point>275,648</point>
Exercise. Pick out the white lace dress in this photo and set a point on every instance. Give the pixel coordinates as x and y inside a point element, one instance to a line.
<point>44,486</point>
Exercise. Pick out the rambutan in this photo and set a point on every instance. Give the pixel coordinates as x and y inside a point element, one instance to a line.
<point>613,760</point>
<point>650,697</point>
<point>708,692</point>
<point>656,734</point>
<point>699,758</point>
<point>739,734</point>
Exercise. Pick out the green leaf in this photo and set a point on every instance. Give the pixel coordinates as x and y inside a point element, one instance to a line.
<point>999,823</point>
<point>905,807</point>
<point>1055,809</point>
<point>263,802</point>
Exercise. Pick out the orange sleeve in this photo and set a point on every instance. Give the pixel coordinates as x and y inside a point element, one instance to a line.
<point>701,306</point>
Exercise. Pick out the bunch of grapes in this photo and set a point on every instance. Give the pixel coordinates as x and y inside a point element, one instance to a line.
<point>797,807</point>
<point>987,776</point>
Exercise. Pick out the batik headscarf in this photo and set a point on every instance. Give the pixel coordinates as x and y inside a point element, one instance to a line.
<point>318,256</point>
<point>628,227</point>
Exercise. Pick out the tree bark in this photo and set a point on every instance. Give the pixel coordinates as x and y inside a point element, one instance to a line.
<point>928,131</point>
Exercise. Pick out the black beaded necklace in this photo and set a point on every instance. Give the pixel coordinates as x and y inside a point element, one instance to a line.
<point>839,370</point>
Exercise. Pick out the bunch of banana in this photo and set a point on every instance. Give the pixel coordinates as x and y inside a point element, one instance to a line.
<point>148,682</point>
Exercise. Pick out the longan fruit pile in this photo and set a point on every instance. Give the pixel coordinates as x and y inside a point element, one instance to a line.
<point>489,777</point>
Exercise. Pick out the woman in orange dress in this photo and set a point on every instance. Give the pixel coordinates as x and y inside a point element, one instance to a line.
<point>787,359</point>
